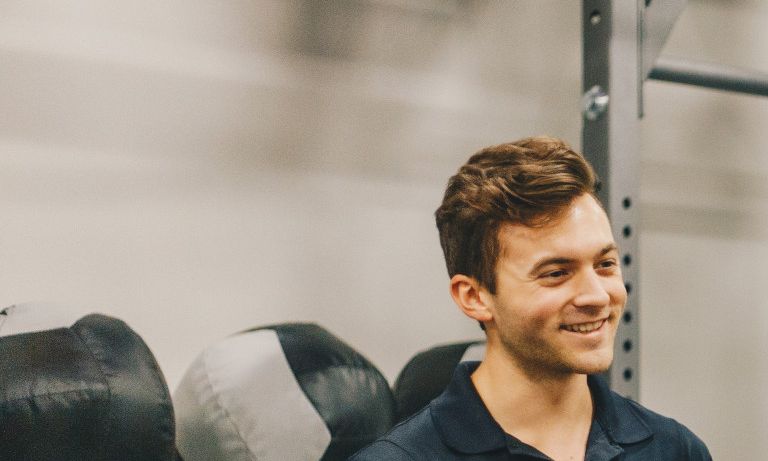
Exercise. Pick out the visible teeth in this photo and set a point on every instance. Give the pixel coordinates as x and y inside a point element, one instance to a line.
<point>584,327</point>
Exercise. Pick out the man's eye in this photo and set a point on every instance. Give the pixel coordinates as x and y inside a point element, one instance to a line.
<point>607,264</point>
<point>555,274</point>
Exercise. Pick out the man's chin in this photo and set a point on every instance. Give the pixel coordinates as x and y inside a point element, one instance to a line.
<point>593,365</point>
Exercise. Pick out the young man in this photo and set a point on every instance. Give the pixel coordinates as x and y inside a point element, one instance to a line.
<point>532,258</point>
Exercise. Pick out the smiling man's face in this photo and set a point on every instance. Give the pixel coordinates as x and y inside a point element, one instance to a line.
<point>559,292</point>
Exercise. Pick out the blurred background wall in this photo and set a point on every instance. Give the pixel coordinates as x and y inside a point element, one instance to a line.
<point>197,168</point>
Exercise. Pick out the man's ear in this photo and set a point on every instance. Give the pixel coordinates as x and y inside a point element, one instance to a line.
<point>472,299</point>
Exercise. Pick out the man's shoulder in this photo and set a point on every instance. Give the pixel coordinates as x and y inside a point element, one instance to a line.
<point>407,441</point>
<point>668,433</point>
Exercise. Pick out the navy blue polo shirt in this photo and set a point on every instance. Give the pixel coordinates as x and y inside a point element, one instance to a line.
<point>457,426</point>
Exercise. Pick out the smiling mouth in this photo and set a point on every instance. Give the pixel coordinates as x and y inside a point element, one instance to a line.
<point>584,327</point>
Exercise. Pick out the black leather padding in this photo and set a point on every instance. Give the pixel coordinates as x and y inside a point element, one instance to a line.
<point>348,391</point>
<point>426,376</point>
<point>89,392</point>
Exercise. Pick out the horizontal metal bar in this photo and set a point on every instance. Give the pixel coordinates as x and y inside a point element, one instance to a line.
<point>710,76</point>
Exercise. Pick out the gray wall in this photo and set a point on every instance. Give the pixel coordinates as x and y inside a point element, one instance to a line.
<point>196,168</point>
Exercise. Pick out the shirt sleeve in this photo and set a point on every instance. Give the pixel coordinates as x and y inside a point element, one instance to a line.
<point>381,449</point>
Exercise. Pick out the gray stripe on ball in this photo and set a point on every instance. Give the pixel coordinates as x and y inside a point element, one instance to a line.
<point>240,401</point>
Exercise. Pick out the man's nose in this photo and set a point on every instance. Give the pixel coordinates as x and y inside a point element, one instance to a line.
<point>591,290</point>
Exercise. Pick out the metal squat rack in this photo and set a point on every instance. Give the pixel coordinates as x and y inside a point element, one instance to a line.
<point>622,40</point>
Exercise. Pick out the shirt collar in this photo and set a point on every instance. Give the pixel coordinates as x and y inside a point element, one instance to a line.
<point>617,415</point>
<point>466,426</point>
<point>462,419</point>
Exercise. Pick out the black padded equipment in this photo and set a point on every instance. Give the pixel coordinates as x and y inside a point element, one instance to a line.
<point>426,376</point>
<point>92,391</point>
<point>347,390</point>
<point>291,391</point>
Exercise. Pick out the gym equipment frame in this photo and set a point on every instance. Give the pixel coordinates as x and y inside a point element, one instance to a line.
<point>622,40</point>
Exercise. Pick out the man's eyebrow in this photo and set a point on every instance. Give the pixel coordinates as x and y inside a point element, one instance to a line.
<point>607,249</point>
<point>546,262</point>
<point>565,261</point>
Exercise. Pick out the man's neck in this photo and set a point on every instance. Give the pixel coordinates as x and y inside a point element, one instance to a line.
<point>550,412</point>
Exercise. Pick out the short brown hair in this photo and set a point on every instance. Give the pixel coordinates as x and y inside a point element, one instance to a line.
<point>530,182</point>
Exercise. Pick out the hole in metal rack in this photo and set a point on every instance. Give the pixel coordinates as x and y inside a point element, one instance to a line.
<point>628,287</point>
<point>626,203</point>
<point>595,17</point>
<point>627,231</point>
<point>627,259</point>
<point>627,317</point>
<point>627,345</point>
<point>627,374</point>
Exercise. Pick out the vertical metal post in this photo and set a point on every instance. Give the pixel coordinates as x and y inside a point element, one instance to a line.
<point>610,141</point>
